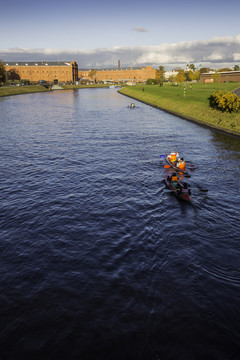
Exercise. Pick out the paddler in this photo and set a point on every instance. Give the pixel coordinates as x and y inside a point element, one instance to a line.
<point>173,157</point>
<point>181,164</point>
<point>185,189</point>
<point>174,179</point>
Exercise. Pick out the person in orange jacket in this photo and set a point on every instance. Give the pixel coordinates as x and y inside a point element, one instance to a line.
<point>181,164</point>
<point>174,179</point>
<point>173,157</point>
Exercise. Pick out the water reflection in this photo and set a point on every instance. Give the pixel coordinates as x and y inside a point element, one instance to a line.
<point>97,259</point>
<point>226,142</point>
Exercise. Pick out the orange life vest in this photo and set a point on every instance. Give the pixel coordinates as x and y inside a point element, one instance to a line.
<point>174,178</point>
<point>182,165</point>
<point>173,157</point>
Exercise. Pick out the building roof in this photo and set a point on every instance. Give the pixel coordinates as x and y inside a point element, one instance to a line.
<point>116,68</point>
<point>38,63</point>
<point>221,72</point>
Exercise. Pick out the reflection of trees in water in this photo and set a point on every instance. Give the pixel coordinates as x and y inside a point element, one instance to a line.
<point>227,142</point>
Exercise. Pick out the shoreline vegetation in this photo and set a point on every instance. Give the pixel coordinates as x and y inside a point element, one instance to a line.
<point>190,101</point>
<point>27,89</point>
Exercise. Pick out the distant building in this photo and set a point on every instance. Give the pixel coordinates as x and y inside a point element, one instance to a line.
<point>168,74</point>
<point>52,72</point>
<point>124,75</point>
<point>225,76</point>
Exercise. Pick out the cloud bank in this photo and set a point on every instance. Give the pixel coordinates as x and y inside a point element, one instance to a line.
<point>220,51</point>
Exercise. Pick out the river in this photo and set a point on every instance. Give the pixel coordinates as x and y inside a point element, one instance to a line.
<point>98,259</point>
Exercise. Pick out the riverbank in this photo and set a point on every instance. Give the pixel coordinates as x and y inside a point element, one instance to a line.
<point>17,90</point>
<point>189,102</point>
<point>27,89</point>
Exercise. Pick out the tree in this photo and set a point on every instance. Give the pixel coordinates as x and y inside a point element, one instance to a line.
<point>2,72</point>
<point>216,76</point>
<point>12,75</point>
<point>196,75</point>
<point>92,74</point>
<point>189,75</point>
<point>180,77</point>
<point>236,68</point>
<point>224,69</point>
<point>192,67</point>
<point>171,78</point>
<point>204,70</point>
<point>160,75</point>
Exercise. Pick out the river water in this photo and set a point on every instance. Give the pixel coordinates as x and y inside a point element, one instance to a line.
<point>98,260</point>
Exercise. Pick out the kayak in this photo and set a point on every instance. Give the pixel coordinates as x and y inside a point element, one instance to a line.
<point>182,196</point>
<point>174,166</point>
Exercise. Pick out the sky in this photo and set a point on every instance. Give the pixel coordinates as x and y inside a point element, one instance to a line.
<point>97,34</point>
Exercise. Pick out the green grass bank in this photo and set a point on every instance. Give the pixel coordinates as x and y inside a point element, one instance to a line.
<point>191,103</point>
<point>27,89</point>
<point>76,87</point>
<point>16,90</point>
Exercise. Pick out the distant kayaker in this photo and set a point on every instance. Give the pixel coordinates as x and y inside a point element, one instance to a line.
<point>181,164</point>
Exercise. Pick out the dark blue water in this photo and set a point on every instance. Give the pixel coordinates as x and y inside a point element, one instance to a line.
<point>97,259</point>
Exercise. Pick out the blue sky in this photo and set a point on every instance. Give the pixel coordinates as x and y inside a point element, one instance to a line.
<point>97,33</point>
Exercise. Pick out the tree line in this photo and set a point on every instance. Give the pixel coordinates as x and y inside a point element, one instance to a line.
<point>190,74</point>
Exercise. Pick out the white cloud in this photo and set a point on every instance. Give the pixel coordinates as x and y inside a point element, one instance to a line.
<point>236,56</point>
<point>139,29</point>
<point>219,50</point>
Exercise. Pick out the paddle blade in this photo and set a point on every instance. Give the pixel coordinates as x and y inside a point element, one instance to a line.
<point>162,156</point>
<point>167,166</point>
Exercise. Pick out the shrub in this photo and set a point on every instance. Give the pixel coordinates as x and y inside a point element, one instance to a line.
<point>225,101</point>
<point>152,82</point>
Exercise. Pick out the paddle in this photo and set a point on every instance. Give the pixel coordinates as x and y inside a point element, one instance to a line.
<point>162,156</point>
<point>200,189</point>
<point>190,165</point>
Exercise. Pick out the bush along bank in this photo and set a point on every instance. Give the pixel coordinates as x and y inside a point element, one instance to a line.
<point>225,101</point>
<point>190,101</point>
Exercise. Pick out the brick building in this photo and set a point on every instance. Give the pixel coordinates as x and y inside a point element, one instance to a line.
<point>225,76</point>
<point>57,72</point>
<point>130,74</point>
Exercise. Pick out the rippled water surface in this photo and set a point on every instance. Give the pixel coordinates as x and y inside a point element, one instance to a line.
<point>98,260</point>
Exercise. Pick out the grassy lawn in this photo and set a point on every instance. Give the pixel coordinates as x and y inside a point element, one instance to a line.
<point>26,89</point>
<point>194,104</point>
